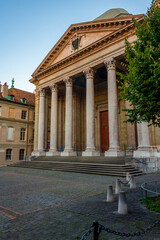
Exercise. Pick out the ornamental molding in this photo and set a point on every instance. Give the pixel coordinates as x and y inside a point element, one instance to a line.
<point>53,87</point>
<point>68,81</point>
<point>110,64</point>
<point>89,73</point>
<point>75,42</point>
<point>41,92</point>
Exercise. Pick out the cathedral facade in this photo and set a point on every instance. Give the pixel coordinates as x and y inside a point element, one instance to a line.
<point>78,111</point>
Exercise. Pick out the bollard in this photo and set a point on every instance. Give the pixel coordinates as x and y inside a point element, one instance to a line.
<point>132,182</point>
<point>110,197</point>
<point>127,176</point>
<point>118,186</point>
<point>122,203</point>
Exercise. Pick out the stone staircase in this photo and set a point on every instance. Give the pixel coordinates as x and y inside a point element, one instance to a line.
<point>90,165</point>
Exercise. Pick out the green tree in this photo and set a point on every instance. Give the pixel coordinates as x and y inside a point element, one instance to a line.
<point>141,84</point>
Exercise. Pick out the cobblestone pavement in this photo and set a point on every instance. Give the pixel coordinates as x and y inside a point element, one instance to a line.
<point>51,205</point>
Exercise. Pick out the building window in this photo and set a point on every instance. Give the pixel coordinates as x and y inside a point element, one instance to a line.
<point>0,111</point>
<point>23,134</point>
<point>8,154</point>
<point>24,114</point>
<point>10,133</point>
<point>21,154</point>
<point>23,100</point>
<point>11,97</point>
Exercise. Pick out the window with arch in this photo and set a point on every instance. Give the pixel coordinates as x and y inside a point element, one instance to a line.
<point>21,154</point>
<point>8,154</point>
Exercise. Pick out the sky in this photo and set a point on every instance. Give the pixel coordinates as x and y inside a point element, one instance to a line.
<point>30,28</point>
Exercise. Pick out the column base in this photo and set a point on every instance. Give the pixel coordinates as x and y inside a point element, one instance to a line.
<point>146,152</point>
<point>53,153</point>
<point>90,153</point>
<point>114,152</point>
<point>68,153</point>
<point>38,153</point>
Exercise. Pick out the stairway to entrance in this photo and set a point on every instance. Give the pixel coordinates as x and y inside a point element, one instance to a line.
<point>113,166</point>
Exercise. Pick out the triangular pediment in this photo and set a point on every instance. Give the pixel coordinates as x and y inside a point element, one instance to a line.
<point>77,42</point>
<point>81,36</point>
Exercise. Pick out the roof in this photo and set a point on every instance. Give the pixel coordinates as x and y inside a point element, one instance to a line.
<point>20,94</point>
<point>113,13</point>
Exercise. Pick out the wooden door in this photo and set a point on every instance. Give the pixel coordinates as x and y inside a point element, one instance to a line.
<point>104,131</point>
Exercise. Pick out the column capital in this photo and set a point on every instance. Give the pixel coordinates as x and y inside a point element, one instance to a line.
<point>41,92</point>
<point>53,87</point>
<point>89,72</point>
<point>68,81</point>
<point>110,64</point>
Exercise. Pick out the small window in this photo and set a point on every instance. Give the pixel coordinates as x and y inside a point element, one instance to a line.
<point>23,134</point>
<point>10,133</point>
<point>8,154</point>
<point>11,97</point>
<point>24,114</point>
<point>21,154</point>
<point>23,100</point>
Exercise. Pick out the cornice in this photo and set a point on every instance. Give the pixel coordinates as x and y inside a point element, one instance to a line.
<point>101,24</point>
<point>16,120</point>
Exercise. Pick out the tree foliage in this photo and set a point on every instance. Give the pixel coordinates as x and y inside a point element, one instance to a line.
<point>141,83</point>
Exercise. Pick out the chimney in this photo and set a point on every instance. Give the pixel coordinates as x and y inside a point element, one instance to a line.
<point>5,90</point>
<point>0,87</point>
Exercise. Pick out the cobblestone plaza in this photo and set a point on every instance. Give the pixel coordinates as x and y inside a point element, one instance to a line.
<point>50,205</point>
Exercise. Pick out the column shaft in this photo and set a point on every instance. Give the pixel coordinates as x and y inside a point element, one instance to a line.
<point>54,118</point>
<point>112,105</point>
<point>114,148</point>
<point>41,121</point>
<point>90,132</point>
<point>90,137</point>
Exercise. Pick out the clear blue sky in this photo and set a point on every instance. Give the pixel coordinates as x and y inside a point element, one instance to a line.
<point>30,28</point>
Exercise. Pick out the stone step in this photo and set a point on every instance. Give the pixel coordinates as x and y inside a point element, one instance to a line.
<point>81,166</point>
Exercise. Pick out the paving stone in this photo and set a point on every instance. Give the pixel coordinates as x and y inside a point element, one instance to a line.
<point>50,205</point>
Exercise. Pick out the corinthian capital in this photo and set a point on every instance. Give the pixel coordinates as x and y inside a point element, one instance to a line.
<point>68,81</point>
<point>53,87</point>
<point>110,64</point>
<point>41,92</point>
<point>89,73</point>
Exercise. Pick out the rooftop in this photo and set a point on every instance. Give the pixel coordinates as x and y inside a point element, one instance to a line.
<point>113,13</point>
<point>20,94</point>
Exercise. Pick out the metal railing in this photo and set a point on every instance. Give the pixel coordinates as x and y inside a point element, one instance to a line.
<point>144,188</point>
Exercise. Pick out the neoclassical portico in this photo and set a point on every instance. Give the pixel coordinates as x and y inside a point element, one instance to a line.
<point>79,112</point>
<point>90,148</point>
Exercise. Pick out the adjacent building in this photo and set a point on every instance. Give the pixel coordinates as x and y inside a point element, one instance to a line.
<point>77,106</point>
<point>17,109</point>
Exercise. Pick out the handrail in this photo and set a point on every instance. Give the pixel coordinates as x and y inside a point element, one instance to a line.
<point>145,188</point>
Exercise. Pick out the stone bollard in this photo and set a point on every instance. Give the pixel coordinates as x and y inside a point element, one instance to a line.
<point>122,203</point>
<point>110,197</point>
<point>132,182</point>
<point>127,176</point>
<point>118,186</point>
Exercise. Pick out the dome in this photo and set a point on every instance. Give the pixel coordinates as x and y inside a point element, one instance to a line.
<point>113,13</point>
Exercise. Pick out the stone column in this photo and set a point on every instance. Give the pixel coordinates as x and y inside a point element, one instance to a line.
<point>41,122</point>
<point>114,148</point>
<point>68,151</point>
<point>90,134</point>
<point>54,121</point>
<point>144,148</point>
